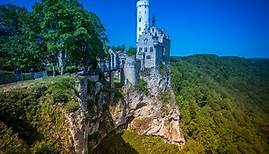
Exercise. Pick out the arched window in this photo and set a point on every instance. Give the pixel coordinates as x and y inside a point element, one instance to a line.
<point>148,57</point>
<point>140,19</point>
<point>146,41</point>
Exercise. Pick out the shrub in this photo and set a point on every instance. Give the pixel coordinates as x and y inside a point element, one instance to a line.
<point>141,86</point>
<point>165,97</point>
<point>71,106</point>
<point>10,142</point>
<point>71,69</point>
<point>34,123</point>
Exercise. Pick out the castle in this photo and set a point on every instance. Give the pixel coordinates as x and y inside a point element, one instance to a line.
<point>152,44</point>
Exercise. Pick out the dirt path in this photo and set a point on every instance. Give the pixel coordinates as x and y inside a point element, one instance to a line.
<point>9,86</point>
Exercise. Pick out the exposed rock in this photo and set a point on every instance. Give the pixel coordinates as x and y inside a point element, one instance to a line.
<point>147,115</point>
<point>79,129</point>
<point>78,123</point>
<point>164,117</point>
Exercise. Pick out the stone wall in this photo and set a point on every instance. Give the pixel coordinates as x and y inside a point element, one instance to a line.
<point>131,70</point>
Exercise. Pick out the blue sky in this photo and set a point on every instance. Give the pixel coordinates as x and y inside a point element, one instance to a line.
<point>222,27</point>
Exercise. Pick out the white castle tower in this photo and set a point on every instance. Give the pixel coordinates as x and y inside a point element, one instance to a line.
<point>142,7</point>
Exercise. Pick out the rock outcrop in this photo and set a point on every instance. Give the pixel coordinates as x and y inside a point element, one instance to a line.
<point>156,113</point>
<point>153,113</point>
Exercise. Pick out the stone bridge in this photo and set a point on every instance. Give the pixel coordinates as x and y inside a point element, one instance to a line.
<point>114,64</point>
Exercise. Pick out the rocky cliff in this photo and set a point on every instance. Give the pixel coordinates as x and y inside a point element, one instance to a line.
<point>155,113</point>
<point>151,112</point>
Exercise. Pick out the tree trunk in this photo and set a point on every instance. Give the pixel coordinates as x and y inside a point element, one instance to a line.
<point>62,70</point>
<point>61,61</point>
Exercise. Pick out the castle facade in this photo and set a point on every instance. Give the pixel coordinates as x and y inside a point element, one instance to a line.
<point>153,48</point>
<point>153,44</point>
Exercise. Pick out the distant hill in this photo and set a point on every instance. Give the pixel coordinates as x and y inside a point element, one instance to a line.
<point>224,102</point>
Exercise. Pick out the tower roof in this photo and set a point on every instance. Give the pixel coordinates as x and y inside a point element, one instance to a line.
<point>141,2</point>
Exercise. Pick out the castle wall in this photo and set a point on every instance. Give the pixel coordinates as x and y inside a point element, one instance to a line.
<point>159,57</point>
<point>166,45</point>
<point>131,70</point>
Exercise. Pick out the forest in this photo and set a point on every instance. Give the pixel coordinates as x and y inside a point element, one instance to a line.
<point>224,103</point>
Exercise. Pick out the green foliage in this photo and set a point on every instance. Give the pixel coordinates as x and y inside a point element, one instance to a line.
<point>141,86</point>
<point>18,49</point>
<point>71,69</point>
<point>223,103</point>
<point>32,119</point>
<point>55,32</point>
<point>166,97</point>
<point>129,142</point>
<point>72,106</point>
<point>131,51</point>
<point>10,142</point>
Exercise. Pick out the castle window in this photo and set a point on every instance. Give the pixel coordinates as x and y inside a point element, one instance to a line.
<point>140,49</point>
<point>139,28</point>
<point>145,49</point>
<point>151,49</point>
<point>140,19</point>
<point>148,57</point>
<point>146,41</point>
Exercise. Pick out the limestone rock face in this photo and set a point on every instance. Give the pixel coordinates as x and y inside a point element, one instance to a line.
<point>79,128</point>
<point>154,114</point>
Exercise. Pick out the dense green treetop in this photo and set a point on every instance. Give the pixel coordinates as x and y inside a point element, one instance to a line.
<point>58,32</point>
<point>224,103</point>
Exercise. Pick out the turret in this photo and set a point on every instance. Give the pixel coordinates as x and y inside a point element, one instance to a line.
<point>142,7</point>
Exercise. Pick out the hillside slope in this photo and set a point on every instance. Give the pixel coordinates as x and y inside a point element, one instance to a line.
<point>33,116</point>
<point>224,102</point>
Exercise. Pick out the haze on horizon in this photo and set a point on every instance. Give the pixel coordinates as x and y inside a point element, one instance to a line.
<point>226,28</point>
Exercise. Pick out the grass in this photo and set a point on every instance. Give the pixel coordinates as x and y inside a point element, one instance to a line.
<point>132,143</point>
